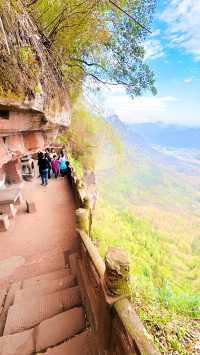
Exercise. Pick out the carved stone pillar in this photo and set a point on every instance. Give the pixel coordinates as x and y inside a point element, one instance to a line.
<point>13,172</point>
<point>2,177</point>
<point>117,277</point>
<point>4,153</point>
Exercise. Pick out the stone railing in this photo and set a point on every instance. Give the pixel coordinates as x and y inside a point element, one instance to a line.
<point>105,290</point>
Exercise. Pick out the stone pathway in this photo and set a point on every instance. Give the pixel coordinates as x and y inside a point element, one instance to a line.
<point>40,301</point>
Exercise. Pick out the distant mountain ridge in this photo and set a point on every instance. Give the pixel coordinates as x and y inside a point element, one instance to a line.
<point>159,133</point>
<point>168,135</point>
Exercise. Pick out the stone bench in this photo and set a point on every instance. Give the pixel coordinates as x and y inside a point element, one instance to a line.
<point>30,207</point>
<point>4,222</point>
<point>9,198</point>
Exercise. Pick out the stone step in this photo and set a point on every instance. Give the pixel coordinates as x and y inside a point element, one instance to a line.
<point>44,287</point>
<point>38,280</point>
<point>24,316</point>
<point>18,344</point>
<point>58,329</point>
<point>48,334</point>
<point>34,268</point>
<point>81,344</point>
<point>7,303</point>
<point>3,293</point>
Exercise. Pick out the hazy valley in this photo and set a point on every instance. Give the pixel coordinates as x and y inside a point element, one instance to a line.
<point>149,204</point>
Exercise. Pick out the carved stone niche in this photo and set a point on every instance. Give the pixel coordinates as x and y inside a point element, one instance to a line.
<point>50,136</point>
<point>33,141</point>
<point>15,144</point>
<point>4,114</point>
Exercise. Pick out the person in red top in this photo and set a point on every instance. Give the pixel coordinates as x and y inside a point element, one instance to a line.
<point>55,166</point>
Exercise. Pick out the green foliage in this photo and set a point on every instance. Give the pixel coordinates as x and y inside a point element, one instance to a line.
<point>196,245</point>
<point>161,294</point>
<point>94,40</point>
<point>80,138</point>
<point>26,54</point>
<point>84,135</point>
<point>155,277</point>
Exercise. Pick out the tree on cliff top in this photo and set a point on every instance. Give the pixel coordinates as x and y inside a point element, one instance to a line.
<point>95,39</point>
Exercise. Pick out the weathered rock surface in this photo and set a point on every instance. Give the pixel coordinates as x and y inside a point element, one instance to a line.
<point>29,76</point>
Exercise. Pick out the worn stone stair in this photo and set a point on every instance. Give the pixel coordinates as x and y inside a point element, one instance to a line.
<point>22,316</point>
<point>45,314</point>
<point>46,264</point>
<point>79,345</point>
<point>36,280</point>
<point>45,287</point>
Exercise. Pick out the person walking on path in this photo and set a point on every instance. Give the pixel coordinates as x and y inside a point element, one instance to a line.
<point>63,165</point>
<point>44,169</point>
<point>49,157</point>
<point>39,157</point>
<point>55,166</point>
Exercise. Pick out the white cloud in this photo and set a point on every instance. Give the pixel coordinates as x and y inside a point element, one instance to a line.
<point>188,80</point>
<point>183,19</point>
<point>153,46</point>
<point>153,49</point>
<point>155,33</point>
<point>141,109</point>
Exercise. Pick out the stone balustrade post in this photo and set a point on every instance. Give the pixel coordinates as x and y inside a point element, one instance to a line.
<point>117,273</point>
<point>82,219</point>
<point>87,204</point>
<point>81,188</point>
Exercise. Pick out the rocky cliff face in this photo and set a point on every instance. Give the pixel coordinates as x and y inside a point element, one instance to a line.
<point>29,75</point>
<point>34,103</point>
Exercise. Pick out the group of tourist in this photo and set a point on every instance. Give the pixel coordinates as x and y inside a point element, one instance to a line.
<point>49,162</point>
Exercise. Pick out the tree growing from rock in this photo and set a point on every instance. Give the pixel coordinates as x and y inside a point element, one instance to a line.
<point>98,40</point>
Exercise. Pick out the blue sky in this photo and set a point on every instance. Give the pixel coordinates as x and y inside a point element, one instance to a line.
<point>173,52</point>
